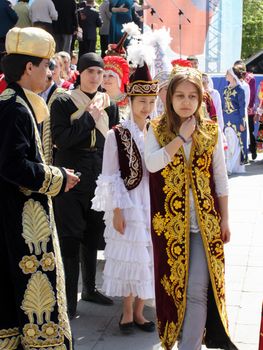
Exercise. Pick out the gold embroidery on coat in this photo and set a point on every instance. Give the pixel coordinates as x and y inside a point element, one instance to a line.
<point>39,298</point>
<point>53,176</point>
<point>29,264</point>
<point>49,335</point>
<point>48,262</point>
<point>61,293</point>
<point>36,228</point>
<point>178,176</point>
<point>53,180</point>
<point>9,343</point>
<point>9,332</point>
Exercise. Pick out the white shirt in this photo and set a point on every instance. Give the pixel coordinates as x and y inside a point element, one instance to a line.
<point>156,158</point>
<point>43,11</point>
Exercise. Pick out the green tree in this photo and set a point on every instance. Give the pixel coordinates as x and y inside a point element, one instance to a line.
<point>252,36</point>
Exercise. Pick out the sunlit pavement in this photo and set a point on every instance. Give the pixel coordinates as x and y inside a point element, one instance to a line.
<point>96,327</point>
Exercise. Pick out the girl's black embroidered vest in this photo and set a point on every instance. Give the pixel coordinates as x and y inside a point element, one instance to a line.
<point>130,166</point>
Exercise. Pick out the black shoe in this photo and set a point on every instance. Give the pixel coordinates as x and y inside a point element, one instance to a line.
<point>96,297</point>
<point>126,328</point>
<point>146,326</point>
<point>254,155</point>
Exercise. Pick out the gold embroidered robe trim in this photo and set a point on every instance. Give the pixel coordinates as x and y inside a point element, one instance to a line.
<point>10,343</point>
<point>38,228</point>
<point>173,225</point>
<point>9,338</point>
<point>46,138</point>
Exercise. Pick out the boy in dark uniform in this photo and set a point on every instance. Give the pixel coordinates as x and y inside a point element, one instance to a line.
<point>80,119</point>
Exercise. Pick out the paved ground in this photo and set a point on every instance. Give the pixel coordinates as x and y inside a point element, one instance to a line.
<point>96,327</point>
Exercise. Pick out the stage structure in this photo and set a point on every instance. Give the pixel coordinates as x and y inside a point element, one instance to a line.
<point>214,36</point>
<point>208,29</point>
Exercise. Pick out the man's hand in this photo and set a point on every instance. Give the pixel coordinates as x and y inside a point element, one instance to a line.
<point>72,179</point>
<point>95,110</point>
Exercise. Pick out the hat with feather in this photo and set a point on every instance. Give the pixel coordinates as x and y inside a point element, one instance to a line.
<point>141,83</point>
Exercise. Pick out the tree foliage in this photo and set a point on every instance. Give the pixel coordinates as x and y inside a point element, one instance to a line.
<point>252,36</point>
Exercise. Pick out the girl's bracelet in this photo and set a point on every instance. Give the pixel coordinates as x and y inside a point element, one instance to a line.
<point>182,138</point>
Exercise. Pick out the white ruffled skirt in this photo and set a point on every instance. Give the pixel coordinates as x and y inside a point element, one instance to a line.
<point>129,259</point>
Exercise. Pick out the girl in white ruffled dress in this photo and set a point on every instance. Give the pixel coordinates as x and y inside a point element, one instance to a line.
<point>123,193</point>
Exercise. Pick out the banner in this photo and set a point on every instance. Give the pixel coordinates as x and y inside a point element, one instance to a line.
<point>208,29</point>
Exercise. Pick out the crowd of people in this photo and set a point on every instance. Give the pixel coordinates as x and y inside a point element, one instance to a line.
<point>122,151</point>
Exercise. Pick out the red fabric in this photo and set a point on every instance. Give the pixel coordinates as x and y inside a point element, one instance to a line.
<point>210,105</point>
<point>73,77</point>
<point>66,85</point>
<point>3,83</point>
<point>181,62</point>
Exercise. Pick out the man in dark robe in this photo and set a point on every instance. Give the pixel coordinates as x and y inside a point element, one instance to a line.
<point>80,119</point>
<point>33,311</point>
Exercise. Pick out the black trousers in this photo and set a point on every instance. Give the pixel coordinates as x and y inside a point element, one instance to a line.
<point>251,125</point>
<point>80,231</point>
<point>86,46</point>
<point>104,41</point>
<point>44,25</point>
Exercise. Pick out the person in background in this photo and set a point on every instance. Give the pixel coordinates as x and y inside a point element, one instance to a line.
<point>216,99</point>
<point>163,78</point>
<point>105,15</point>
<point>194,61</point>
<point>123,193</point>
<point>235,129</point>
<point>115,80</point>
<point>3,83</point>
<point>240,71</point>
<point>42,13</point>
<point>80,120</point>
<point>65,25</point>
<point>58,74</point>
<point>22,11</point>
<point>121,13</point>
<point>251,81</point>
<point>74,60</point>
<point>189,216</point>
<point>89,21</point>
<point>32,299</point>
<point>8,19</point>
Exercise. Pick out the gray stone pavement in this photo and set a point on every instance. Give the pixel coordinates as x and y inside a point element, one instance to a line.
<point>96,327</point>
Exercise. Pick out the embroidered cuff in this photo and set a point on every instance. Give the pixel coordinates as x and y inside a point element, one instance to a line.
<point>53,182</point>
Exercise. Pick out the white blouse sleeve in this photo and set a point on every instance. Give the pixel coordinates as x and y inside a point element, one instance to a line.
<point>156,158</point>
<point>219,168</point>
<point>110,192</point>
